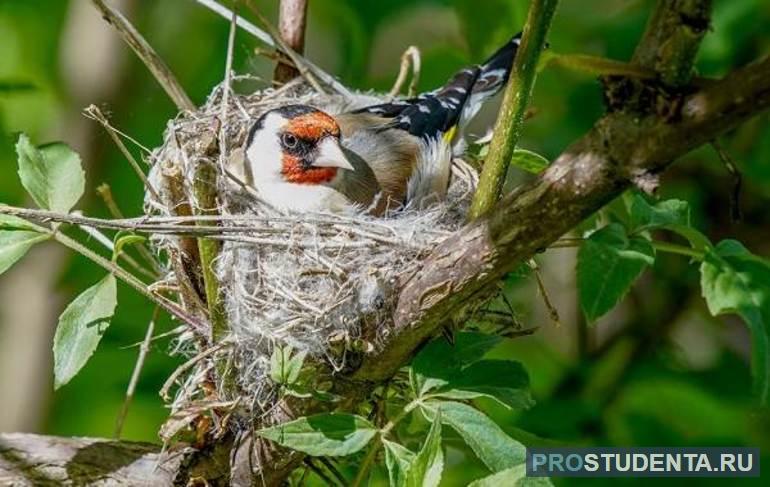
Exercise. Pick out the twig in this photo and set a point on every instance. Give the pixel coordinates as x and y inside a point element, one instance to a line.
<point>596,66</point>
<point>205,184</point>
<point>143,351</point>
<point>226,88</point>
<point>239,224</point>
<point>147,54</point>
<point>511,119</point>
<point>299,62</point>
<point>553,313</point>
<point>292,19</point>
<point>141,146</point>
<point>333,469</point>
<point>174,309</point>
<point>171,307</point>
<point>269,40</point>
<point>735,174</point>
<point>319,471</point>
<point>186,366</point>
<point>410,57</point>
<point>97,115</point>
<point>105,193</point>
<point>107,243</point>
<point>176,331</point>
<point>658,245</point>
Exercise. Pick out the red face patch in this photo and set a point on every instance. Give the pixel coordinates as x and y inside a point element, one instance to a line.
<point>313,126</point>
<point>295,172</point>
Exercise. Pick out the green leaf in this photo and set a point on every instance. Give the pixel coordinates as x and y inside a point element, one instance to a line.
<point>608,264</point>
<point>662,214</point>
<point>10,222</point>
<point>125,238</point>
<point>397,460</point>
<point>735,281</point>
<point>512,477</point>
<point>81,327</point>
<point>672,215</point>
<point>285,367</point>
<point>14,244</point>
<point>497,450</point>
<point>505,381</point>
<point>330,434</point>
<point>439,361</point>
<point>51,174</point>
<point>529,161</point>
<point>425,469</point>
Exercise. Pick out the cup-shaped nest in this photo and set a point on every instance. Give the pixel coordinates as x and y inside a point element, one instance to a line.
<point>323,284</point>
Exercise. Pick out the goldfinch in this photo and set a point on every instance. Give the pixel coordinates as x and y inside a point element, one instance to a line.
<point>375,159</point>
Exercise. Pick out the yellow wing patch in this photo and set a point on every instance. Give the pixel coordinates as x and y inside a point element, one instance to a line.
<point>450,134</point>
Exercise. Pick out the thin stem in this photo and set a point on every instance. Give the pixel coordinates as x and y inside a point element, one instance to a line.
<point>334,470</point>
<point>97,115</point>
<point>105,193</point>
<point>737,177</point>
<point>410,57</point>
<point>659,245</point>
<point>553,313</point>
<point>596,66</point>
<point>206,203</point>
<point>511,119</point>
<point>672,248</point>
<point>226,92</point>
<point>171,307</point>
<point>374,448</point>
<point>147,54</point>
<point>263,36</point>
<point>319,471</point>
<point>125,276</point>
<point>144,349</point>
<point>299,62</point>
<point>107,243</point>
<point>368,462</point>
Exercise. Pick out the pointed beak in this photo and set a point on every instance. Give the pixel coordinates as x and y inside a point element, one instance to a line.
<point>330,155</point>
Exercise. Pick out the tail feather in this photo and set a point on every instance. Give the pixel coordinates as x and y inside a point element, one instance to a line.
<point>454,104</point>
<point>493,77</point>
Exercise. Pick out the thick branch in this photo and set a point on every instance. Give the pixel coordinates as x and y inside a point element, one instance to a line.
<point>672,37</point>
<point>619,150</point>
<point>27,459</point>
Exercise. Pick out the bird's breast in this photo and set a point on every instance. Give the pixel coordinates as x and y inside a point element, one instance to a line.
<point>304,198</point>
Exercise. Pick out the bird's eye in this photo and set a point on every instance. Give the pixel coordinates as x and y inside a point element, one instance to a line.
<point>289,140</point>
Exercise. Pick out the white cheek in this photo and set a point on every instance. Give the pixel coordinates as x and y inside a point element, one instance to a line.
<point>264,154</point>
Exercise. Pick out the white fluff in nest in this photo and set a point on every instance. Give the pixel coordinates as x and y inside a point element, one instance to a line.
<point>303,280</point>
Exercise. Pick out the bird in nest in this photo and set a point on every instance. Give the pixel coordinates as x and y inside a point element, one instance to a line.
<point>375,159</point>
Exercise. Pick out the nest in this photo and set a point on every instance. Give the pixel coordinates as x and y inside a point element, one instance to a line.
<point>323,284</point>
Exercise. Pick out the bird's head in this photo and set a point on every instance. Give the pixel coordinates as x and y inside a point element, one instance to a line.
<point>296,144</point>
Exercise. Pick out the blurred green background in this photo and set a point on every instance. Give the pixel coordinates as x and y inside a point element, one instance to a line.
<point>656,371</point>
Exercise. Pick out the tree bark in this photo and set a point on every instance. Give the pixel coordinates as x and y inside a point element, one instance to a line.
<point>35,460</point>
<point>292,18</point>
